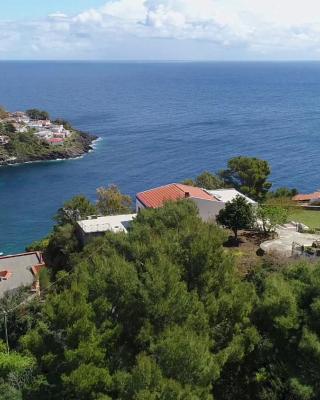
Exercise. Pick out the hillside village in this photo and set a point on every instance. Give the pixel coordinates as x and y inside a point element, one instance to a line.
<point>45,129</point>
<point>32,136</point>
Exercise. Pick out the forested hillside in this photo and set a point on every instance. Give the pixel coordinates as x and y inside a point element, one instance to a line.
<point>162,313</point>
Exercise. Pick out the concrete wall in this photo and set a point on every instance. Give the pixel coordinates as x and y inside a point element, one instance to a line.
<point>139,206</point>
<point>208,210</point>
<point>84,238</point>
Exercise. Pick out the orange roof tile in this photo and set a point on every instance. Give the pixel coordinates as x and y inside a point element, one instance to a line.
<point>154,198</point>
<point>306,197</point>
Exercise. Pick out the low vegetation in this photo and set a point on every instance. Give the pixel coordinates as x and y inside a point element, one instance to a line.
<point>306,217</point>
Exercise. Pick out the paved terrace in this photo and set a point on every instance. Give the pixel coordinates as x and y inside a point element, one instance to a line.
<point>20,266</point>
<point>287,234</point>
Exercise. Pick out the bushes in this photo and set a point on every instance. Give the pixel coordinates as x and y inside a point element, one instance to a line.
<point>165,295</point>
<point>160,313</point>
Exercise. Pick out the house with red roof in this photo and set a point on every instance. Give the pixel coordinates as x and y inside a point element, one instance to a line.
<point>208,202</point>
<point>307,199</point>
<point>208,205</point>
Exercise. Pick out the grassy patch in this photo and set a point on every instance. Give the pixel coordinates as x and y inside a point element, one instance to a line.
<point>245,252</point>
<point>310,218</point>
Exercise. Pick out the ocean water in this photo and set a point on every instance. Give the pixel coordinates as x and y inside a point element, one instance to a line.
<point>158,123</point>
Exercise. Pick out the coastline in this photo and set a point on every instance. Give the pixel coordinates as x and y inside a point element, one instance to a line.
<point>91,148</point>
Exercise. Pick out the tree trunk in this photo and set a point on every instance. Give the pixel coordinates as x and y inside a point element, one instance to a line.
<point>235,231</point>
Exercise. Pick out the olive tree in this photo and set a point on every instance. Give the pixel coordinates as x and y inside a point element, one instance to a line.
<point>270,216</point>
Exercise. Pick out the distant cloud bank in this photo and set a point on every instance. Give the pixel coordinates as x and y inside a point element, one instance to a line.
<point>170,29</point>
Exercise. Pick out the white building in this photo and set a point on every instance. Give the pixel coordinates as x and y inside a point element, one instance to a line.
<point>60,131</point>
<point>96,226</point>
<point>45,134</point>
<point>226,195</point>
<point>57,128</point>
<point>40,124</point>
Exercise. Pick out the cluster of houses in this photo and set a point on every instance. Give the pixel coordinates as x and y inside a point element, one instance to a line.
<point>45,129</point>
<point>23,269</point>
<point>208,202</point>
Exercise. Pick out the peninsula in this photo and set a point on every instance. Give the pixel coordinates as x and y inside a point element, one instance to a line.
<point>32,136</point>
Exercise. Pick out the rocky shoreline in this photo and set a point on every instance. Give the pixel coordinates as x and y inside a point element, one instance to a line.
<point>83,147</point>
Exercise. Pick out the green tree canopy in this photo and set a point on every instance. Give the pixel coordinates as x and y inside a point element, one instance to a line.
<point>249,175</point>
<point>162,313</point>
<point>111,201</point>
<point>237,214</point>
<point>206,180</point>
<point>209,181</point>
<point>79,207</point>
<point>283,192</point>
<point>15,373</point>
<point>157,313</point>
<point>271,216</point>
<point>285,364</point>
<point>35,114</point>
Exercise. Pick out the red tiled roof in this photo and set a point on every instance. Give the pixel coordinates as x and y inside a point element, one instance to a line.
<point>157,197</point>
<point>306,197</point>
<point>55,140</point>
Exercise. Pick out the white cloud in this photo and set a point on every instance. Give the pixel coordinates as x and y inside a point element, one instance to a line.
<point>89,16</point>
<point>58,15</point>
<point>164,18</point>
<point>134,10</point>
<point>234,28</point>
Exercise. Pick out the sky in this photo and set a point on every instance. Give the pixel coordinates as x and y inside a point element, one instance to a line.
<point>160,30</point>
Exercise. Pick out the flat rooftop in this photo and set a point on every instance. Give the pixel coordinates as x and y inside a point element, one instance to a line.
<point>114,223</point>
<point>226,195</point>
<point>20,267</point>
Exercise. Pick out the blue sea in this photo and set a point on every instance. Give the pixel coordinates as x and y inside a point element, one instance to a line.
<point>158,123</point>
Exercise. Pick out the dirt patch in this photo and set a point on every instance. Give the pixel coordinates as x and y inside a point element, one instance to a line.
<point>246,250</point>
